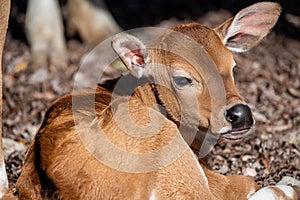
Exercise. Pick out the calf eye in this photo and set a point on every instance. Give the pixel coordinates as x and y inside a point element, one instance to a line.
<point>182,81</point>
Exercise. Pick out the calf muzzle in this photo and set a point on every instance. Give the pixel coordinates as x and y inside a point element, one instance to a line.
<point>241,120</point>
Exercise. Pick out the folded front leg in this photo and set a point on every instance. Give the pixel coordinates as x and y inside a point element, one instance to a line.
<point>282,192</point>
<point>230,187</point>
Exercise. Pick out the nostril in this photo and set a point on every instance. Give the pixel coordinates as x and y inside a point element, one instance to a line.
<point>239,116</point>
<point>231,116</point>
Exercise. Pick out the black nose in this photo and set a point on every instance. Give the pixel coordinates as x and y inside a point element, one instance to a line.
<point>239,116</point>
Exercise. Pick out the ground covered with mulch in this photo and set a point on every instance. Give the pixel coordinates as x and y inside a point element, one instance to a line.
<point>268,77</point>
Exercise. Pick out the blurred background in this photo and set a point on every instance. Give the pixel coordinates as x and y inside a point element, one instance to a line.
<point>138,13</point>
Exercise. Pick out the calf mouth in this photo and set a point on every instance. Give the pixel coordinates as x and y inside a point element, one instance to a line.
<point>236,134</point>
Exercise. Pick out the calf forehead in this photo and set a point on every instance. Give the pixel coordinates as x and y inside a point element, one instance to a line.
<point>208,39</point>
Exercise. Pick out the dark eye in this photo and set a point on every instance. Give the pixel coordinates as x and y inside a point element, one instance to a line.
<point>182,81</point>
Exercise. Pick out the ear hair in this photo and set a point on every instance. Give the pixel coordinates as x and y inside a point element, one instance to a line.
<point>249,26</point>
<point>132,52</point>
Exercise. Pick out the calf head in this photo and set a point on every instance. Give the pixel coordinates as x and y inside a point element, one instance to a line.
<point>192,65</point>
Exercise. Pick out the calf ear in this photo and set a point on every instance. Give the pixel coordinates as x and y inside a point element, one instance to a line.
<point>132,52</point>
<point>249,26</point>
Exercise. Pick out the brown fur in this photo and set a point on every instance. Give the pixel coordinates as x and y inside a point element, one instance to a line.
<point>43,167</point>
<point>214,47</point>
<point>57,148</point>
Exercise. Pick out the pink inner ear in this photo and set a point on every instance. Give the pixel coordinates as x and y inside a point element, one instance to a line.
<point>255,30</point>
<point>135,57</point>
<point>257,24</point>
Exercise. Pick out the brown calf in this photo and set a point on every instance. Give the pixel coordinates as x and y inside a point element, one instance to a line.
<point>95,144</point>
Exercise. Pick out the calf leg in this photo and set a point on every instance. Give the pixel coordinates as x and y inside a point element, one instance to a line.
<point>94,23</point>
<point>283,192</point>
<point>287,188</point>
<point>45,33</point>
<point>242,187</point>
<point>230,187</point>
